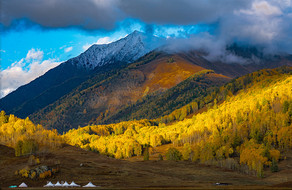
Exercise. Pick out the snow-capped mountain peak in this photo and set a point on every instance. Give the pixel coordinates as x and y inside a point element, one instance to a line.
<point>125,50</point>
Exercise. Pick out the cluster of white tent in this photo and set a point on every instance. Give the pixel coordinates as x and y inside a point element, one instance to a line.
<point>58,184</point>
<point>66,184</point>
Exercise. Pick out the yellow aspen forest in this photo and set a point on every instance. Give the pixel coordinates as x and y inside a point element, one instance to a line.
<point>146,94</point>
<point>251,129</point>
<point>25,137</point>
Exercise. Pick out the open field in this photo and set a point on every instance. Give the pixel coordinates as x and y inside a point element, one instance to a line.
<point>135,173</point>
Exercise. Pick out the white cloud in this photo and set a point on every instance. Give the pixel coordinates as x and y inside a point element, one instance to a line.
<point>287,3</point>
<point>62,47</point>
<point>283,3</point>
<point>262,8</point>
<point>17,75</point>
<point>2,50</point>
<point>262,23</point>
<point>104,40</point>
<point>86,46</point>
<point>100,41</point>
<point>34,55</point>
<point>68,49</point>
<point>6,91</point>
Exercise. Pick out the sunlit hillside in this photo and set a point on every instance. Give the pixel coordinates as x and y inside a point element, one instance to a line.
<point>156,105</point>
<point>253,126</point>
<point>249,131</point>
<point>103,95</point>
<point>26,137</point>
<point>145,94</point>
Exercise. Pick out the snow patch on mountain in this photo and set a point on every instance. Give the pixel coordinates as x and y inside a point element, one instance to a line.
<point>125,50</point>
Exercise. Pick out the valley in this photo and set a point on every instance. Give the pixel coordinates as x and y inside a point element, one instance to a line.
<point>145,94</point>
<point>130,115</point>
<point>113,82</point>
<point>110,173</point>
<point>105,101</point>
<point>245,139</point>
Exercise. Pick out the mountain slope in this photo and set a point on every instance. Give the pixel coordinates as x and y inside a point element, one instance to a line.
<point>248,132</point>
<point>154,106</point>
<point>118,96</point>
<point>235,69</point>
<point>64,78</point>
<point>65,72</point>
<point>155,73</point>
<point>125,50</point>
<point>109,85</point>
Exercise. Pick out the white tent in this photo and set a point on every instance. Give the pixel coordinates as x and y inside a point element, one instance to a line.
<point>22,185</point>
<point>58,184</point>
<point>65,184</point>
<point>89,185</point>
<point>73,184</point>
<point>49,184</point>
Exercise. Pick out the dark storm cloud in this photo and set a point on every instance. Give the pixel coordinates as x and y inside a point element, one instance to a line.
<point>183,12</point>
<point>258,22</point>
<point>87,14</point>
<point>103,14</point>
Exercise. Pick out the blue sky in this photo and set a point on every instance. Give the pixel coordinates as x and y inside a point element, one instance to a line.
<point>63,44</point>
<point>59,44</point>
<point>29,52</point>
<point>38,35</point>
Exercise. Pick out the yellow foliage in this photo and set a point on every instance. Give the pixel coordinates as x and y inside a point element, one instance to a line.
<point>38,161</point>
<point>186,151</point>
<point>275,154</point>
<point>33,175</point>
<point>23,173</point>
<point>241,125</point>
<point>250,124</point>
<point>15,130</point>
